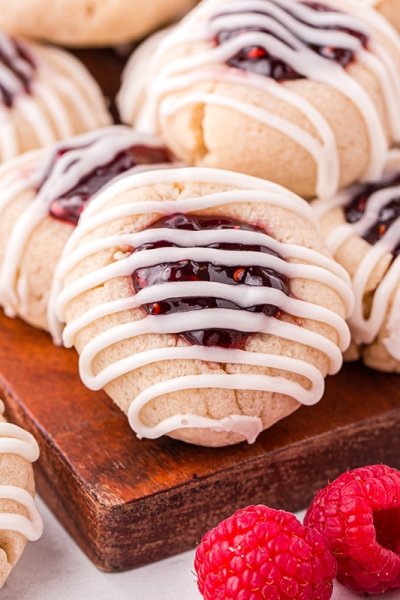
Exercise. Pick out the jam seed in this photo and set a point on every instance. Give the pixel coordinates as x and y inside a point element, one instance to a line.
<point>156,308</point>
<point>255,53</point>
<point>238,275</point>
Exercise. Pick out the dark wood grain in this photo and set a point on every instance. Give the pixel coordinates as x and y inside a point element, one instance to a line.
<point>128,502</point>
<point>106,66</point>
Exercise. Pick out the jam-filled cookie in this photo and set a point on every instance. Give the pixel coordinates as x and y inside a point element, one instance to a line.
<point>42,195</point>
<point>204,302</point>
<point>361,227</point>
<point>46,94</point>
<point>20,520</point>
<point>89,22</point>
<point>305,94</point>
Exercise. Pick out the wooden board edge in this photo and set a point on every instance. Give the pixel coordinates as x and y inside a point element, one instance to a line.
<point>138,533</point>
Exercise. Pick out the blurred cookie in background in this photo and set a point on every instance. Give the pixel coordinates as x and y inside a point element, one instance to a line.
<point>46,94</point>
<point>20,520</point>
<point>89,23</point>
<point>389,9</point>
<point>204,302</point>
<point>361,227</point>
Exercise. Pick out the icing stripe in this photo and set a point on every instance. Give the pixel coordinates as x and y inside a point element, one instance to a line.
<point>15,440</point>
<point>31,528</point>
<point>242,295</point>
<point>200,238</point>
<point>273,361</point>
<point>126,266</point>
<point>218,318</point>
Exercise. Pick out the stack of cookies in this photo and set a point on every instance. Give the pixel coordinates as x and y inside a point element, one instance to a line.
<point>214,264</point>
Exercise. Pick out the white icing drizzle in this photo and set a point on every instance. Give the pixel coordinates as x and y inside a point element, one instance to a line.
<point>31,528</point>
<point>85,153</point>
<point>163,87</point>
<point>365,330</point>
<point>59,86</point>
<point>14,68</point>
<point>15,440</point>
<point>191,246</point>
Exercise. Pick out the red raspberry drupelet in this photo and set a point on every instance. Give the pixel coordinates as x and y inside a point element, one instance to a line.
<point>264,554</point>
<point>359,516</point>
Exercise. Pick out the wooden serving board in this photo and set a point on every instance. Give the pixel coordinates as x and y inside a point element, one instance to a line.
<point>128,502</point>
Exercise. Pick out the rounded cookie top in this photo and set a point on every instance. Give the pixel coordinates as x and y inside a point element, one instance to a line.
<point>194,283</point>
<point>309,88</point>
<point>46,94</point>
<point>88,22</point>
<point>361,226</point>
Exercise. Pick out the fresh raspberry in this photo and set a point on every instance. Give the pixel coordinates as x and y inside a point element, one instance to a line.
<point>264,554</point>
<point>359,516</point>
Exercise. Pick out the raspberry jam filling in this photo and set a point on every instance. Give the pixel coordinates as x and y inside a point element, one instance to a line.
<point>190,270</point>
<point>387,528</point>
<point>18,64</point>
<point>387,214</point>
<point>69,207</point>
<point>259,60</point>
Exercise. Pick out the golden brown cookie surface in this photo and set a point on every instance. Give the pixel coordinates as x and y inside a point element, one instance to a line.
<point>46,94</point>
<point>293,93</point>
<point>228,320</point>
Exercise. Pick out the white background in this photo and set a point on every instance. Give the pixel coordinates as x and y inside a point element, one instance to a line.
<point>54,568</point>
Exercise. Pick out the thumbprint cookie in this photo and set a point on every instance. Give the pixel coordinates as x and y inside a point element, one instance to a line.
<point>361,227</point>
<point>42,194</point>
<point>46,94</point>
<point>204,302</point>
<point>301,93</point>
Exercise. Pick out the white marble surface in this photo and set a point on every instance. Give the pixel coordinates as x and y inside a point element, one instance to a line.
<point>54,568</point>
